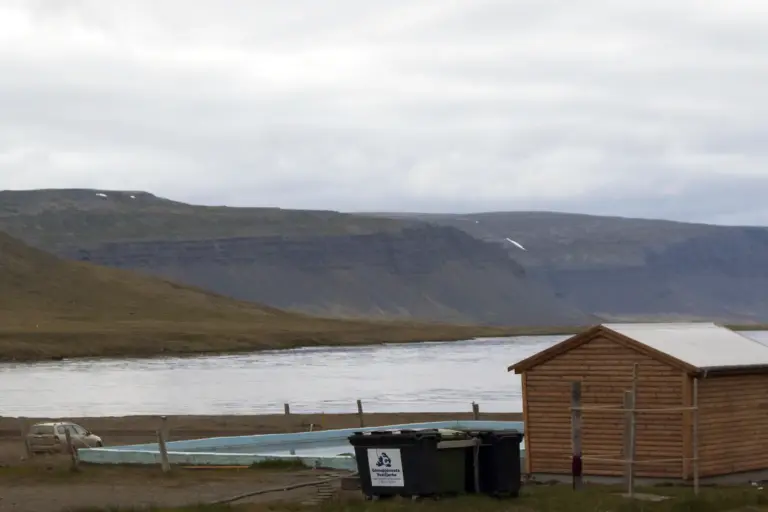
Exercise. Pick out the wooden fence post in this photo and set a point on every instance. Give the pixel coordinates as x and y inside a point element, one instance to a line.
<point>75,464</point>
<point>695,440</point>
<point>162,436</point>
<point>633,432</point>
<point>475,411</point>
<point>629,442</point>
<point>360,413</point>
<point>164,426</point>
<point>576,462</point>
<point>24,430</point>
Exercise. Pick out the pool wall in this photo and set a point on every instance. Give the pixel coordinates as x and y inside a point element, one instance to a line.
<point>245,450</point>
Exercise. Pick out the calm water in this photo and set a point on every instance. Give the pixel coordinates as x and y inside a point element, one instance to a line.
<point>387,378</point>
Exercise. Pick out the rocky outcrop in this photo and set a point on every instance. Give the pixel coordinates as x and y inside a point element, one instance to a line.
<point>635,268</point>
<point>428,272</point>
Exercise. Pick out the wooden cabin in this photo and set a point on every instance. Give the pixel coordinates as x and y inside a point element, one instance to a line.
<point>731,425</point>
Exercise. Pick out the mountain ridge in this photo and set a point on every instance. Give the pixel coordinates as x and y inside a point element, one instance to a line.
<point>580,267</point>
<point>318,262</point>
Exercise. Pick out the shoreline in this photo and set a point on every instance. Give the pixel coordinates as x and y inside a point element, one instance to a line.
<point>33,347</point>
<point>123,430</point>
<point>23,346</point>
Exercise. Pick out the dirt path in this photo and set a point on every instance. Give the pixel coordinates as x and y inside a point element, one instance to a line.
<point>129,487</point>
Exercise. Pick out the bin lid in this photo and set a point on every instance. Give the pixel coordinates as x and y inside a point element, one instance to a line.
<point>447,433</point>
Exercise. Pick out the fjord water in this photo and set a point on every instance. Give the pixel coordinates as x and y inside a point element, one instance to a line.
<point>420,377</point>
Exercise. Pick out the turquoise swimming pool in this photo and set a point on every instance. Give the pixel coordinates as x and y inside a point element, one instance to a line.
<point>326,448</point>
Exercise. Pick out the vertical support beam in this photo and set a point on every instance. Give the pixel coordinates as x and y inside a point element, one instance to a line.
<point>695,434</point>
<point>687,448</point>
<point>635,375</point>
<point>527,436</point>
<point>360,413</point>
<point>576,461</point>
<point>629,442</point>
<point>475,411</point>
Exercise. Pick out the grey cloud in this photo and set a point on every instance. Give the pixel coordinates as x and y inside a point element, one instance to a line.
<point>597,107</point>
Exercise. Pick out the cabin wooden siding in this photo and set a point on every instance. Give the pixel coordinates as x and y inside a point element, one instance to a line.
<point>605,369</point>
<point>733,424</point>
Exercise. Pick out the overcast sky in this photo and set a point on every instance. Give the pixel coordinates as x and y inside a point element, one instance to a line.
<point>653,108</point>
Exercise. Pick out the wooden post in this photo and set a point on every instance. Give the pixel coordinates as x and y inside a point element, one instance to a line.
<point>475,411</point>
<point>165,429</point>
<point>165,464</point>
<point>629,442</point>
<point>687,473</point>
<point>630,432</point>
<point>635,371</point>
<point>162,439</point>
<point>287,409</point>
<point>576,463</point>
<point>72,450</point>
<point>360,413</point>
<point>24,430</point>
<point>695,435</point>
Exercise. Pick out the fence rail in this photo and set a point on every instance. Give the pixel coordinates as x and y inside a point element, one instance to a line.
<point>630,411</point>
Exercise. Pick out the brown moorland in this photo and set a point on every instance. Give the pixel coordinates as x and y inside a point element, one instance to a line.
<point>53,308</point>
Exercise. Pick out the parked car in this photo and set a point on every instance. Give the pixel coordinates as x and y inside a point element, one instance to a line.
<point>52,437</point>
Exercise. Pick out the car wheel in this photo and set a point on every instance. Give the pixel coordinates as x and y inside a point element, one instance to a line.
<point>99,444</point>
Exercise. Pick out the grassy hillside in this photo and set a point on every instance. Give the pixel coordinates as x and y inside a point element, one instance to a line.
<point>55,308</point>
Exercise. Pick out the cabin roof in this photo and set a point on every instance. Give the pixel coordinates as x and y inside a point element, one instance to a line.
<point>692,346</point>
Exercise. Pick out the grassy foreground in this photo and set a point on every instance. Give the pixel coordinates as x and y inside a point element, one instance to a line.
<point>542,499</point>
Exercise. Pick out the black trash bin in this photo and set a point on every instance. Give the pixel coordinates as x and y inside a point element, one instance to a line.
<point>499,463</point>
<point>410,463</point>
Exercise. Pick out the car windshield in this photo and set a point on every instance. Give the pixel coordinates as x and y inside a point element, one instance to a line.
<point>41,430</point>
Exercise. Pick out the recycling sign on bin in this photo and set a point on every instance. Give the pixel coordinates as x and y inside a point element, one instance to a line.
<point>386,467</point>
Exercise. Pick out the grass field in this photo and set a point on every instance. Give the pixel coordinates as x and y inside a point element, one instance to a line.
<point>46,483</point>
<point>538,499</point>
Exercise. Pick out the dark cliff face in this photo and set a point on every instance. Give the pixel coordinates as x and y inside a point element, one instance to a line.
<point>635,268</point>
<point>720,276</point>
<point>462,268</point>
<point>428,272</point>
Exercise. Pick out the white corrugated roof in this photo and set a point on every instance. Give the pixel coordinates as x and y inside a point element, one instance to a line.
<point>703,345</point>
